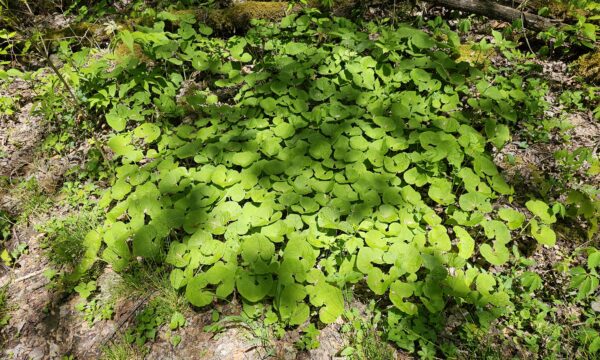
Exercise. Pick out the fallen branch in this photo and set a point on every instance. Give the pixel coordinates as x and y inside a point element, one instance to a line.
<point>22,278</point>
<point>494,10</point>
<point>28,276</point>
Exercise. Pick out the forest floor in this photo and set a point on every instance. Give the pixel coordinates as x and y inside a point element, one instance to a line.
<point>46,322</point>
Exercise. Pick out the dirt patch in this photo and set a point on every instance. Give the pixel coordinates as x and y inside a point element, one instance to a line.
<point>331,343</point>
<point>233,343</point>
<point>546,263</point>
<point>531,164</point>
<point>586,131</point>
<point>43,325</point>
<point>19,139</point>
<point>239,342</point>
<point>21,130</point>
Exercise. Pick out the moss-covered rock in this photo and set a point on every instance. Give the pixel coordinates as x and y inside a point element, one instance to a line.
<point>237,17</point>
<point>82,30</point>
<point>556,8</point>
<point>340,7</point>
<point>588,67</point>
<point>123,53</point>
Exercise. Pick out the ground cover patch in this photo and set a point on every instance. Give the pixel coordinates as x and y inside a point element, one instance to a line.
<point>305,157</point>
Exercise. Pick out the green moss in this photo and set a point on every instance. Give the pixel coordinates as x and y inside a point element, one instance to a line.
<point>231,19</point>
<point>558,9</point>
<point>122,53</point>
<point>238,16</point>
<point>82,29</point>
<point>474,56</point>
<point>339,8</point>
<point>588,67</point>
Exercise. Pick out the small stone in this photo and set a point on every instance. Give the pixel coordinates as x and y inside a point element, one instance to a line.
<point>37,353</point>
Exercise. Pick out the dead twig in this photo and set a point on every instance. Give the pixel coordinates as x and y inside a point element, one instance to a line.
<point>26,277</point>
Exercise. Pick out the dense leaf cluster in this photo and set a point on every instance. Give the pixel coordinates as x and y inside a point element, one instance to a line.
<point>304,158</point>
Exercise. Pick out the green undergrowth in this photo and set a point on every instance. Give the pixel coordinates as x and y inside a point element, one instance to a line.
<point>314,157</point>
<point>64,243</point>
<point>6,231</point>
<point>5,307</point>
<point>277,189</point>
<point>143,280</point>
<point>364,331</point>
<point>23,202</point>
<point>162,305</point>
<point>29,199</point>
<point>121,350</point>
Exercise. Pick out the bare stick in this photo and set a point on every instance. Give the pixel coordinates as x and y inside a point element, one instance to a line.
<point>496,11</point>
